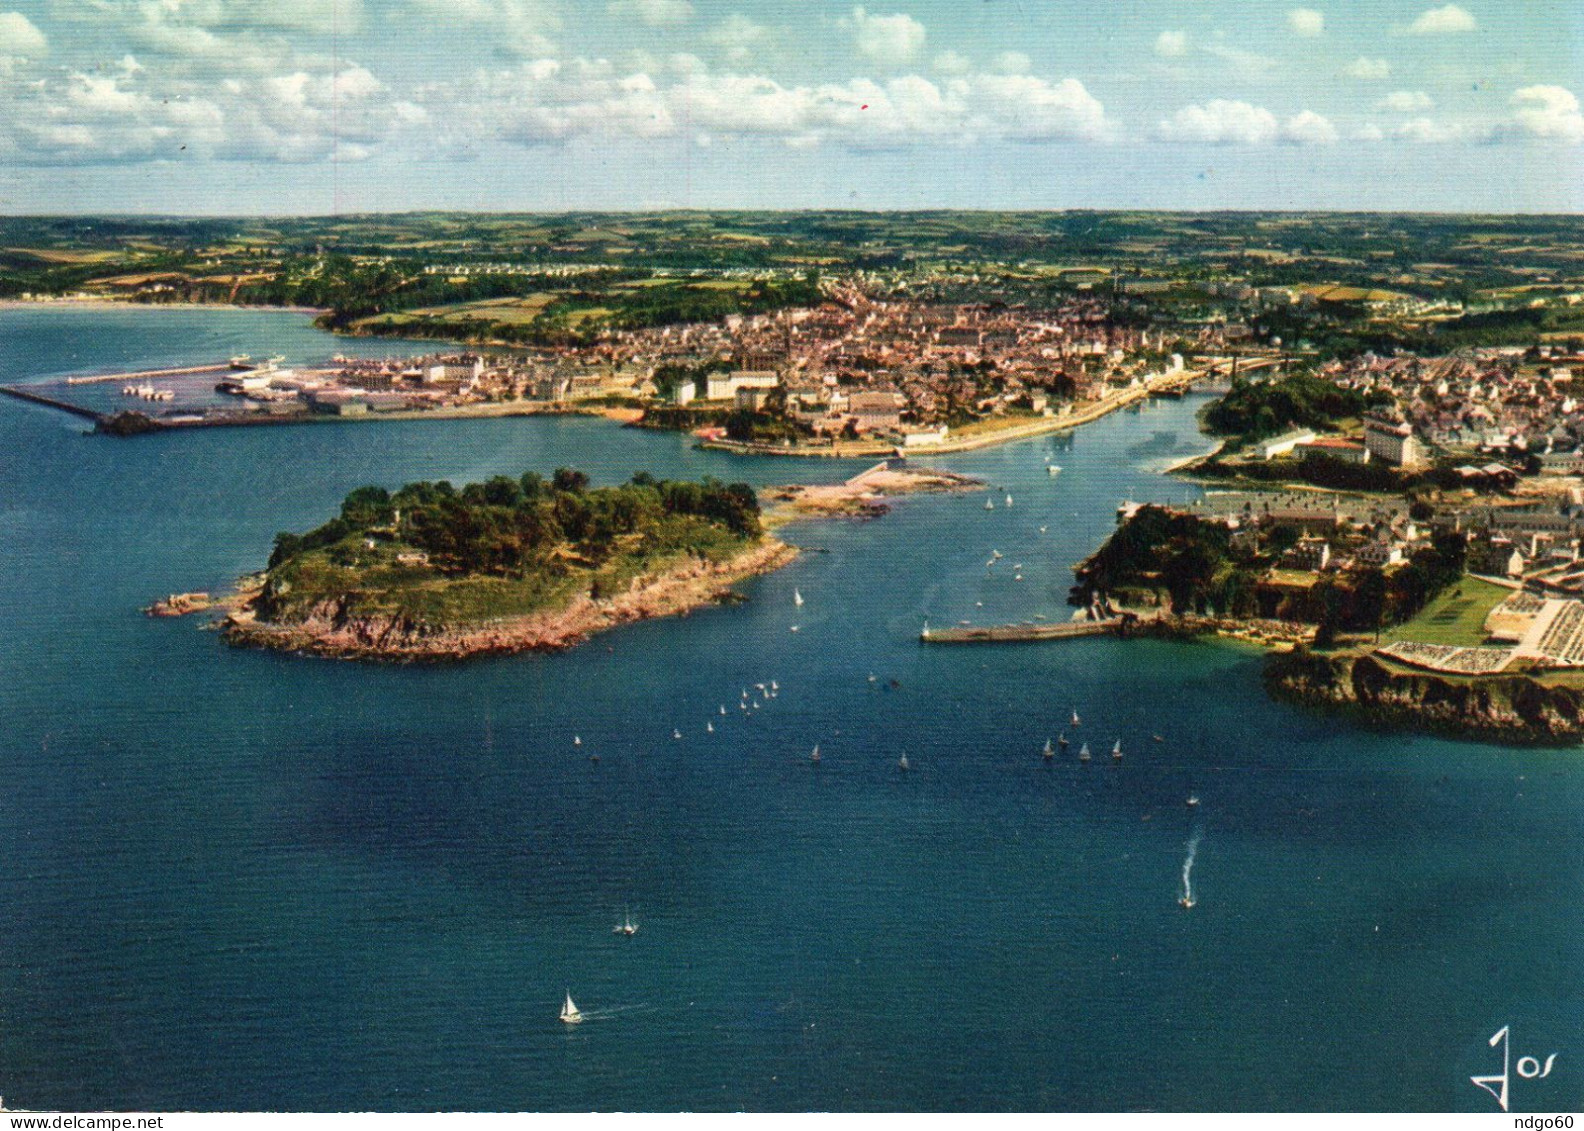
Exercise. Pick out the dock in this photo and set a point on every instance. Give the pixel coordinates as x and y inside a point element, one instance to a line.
<point>1022,633</point>
<point>23,393</point>
<point>101,378</point>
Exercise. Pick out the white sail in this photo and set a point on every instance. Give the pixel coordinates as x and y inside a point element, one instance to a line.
<point>797,598</point>
<point>815,756</point>
<point>569,1011</point>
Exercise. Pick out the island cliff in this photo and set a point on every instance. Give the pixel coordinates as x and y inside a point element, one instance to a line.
<point>430,572</point>
<point>1508,709</point>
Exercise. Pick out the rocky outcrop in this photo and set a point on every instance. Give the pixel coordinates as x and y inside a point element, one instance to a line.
<point>328,630</point>
<point>1512,709</point>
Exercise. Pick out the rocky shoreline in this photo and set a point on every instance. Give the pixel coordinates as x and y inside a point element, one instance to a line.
<point>330,632</point>
<point>1514,710</point>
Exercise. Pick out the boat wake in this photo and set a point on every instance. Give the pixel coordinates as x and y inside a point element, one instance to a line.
<point>1187,900</point>
<point>611,1011</point>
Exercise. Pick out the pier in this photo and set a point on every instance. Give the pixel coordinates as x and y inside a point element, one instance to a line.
<point>22,393</point>
<point>101,378</point>
<point>1022,633</point>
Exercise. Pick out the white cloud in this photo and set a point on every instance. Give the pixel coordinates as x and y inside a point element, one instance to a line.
<point>136,113</point>
<point>1369,132</point>
<point>1428,131</point>
<point>1012,63</point>
<point>1171,44</point>
<point>1366,68</point>
<point>522,27</point>
<point>885,39</point>
<point>1220,122</point>
<point>1248,62</point>
<point>1548,112</point>
<point>1306,22</point>
<point>1443,21</point>
<point>19,39</point>
<point>1309,128</point>
<point>859,113</point>
<point>737,37</point>
<point>951,63</point>
<point>1026,108</point>
<point>1407,102</point>
<point>655,13</point>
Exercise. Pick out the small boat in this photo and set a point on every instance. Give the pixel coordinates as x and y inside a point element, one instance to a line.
<point>1157,738</point>
<point>1050,751</point>
<point>902,764</point>
<point>709,728</point>
<point>795,627</point>
<point>569,1011</point>
<point>775,688</point>
<point>815,757</point>
<point>1042,530</point>
<point>1075,716</point>
<point>1017,577</point>
<point>797,598</point>
<point>995,553</point>
<point>1009,500</point>
<point>723,708</point>
<point>871,677</point>
<point>1053,469</point>
<point>626,928</point>
<point>576,741</point>
<point>1116,750</point>
<point>1186,903</point>
<point>1083,753</point>
<point>676,734</point>
<point>1193,801</point>
<point>756,704</point>
<point>989,504</point>
<point>1062,741</point>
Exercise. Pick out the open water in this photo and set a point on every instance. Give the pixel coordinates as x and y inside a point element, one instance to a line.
<point>241,880</point>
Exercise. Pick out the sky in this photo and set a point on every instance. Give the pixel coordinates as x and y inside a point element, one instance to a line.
<point>337,106</point>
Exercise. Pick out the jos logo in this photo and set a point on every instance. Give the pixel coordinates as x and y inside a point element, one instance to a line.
<point>1528,1067</point>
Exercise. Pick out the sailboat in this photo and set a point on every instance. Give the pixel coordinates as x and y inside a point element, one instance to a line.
<point>709,728</point>
<point>1075,716</point>
<point>626,928</point>
<point>723,708</point>
<point>1083,753</point>
<point>1116,750</point>
<point>576,741</point>
<point>1061,740</point>
<point>1009,500</point>
<point>1193,801</point>
<point>569,1011</point>
<point>1050,751</point>
<point>814,757</point>
<point>989,504</point>
<point>797,598</point>
<point>902,763</point>
<point>1053,470</point>
<point>676,734</point>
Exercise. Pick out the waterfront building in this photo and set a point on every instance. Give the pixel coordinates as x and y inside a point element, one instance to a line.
<point>1285,443</point>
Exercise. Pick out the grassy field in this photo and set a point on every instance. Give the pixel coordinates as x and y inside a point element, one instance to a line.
<point>1456,617</point>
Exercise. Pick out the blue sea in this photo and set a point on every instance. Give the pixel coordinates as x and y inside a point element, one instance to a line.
<point>240,880</point>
